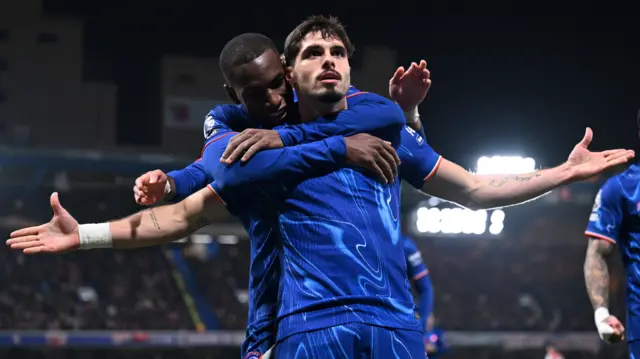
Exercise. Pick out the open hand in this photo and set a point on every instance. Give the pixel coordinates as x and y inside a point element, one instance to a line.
<point>58,236</point>
<point>409,88</point>
<point>585,164</point>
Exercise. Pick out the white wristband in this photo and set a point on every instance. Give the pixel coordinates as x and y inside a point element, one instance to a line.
<point>167,188</point>
<point>95,235</point>
<point>412,116</point>
<point>601,314</point>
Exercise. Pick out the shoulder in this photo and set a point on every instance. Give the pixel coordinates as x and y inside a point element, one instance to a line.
<point>233,117</point>
<point>360,96</point>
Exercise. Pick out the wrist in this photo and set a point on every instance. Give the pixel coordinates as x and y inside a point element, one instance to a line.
<point>601,314</point>
<point>95,235</point>
<point>411,115</point>
<point>566,174</point>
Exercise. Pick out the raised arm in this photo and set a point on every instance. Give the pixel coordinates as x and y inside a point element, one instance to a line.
<point>451,182</point>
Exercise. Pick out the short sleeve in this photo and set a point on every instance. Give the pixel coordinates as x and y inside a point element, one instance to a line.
<point>606,216</point>
<point>419,161</point>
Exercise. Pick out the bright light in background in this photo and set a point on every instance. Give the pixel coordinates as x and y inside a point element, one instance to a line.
<point>459,221</point>
<point>505,164</point>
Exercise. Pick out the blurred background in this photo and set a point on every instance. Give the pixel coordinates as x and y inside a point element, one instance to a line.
<point>93,94</point>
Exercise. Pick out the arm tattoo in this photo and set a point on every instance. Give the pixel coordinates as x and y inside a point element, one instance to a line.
<point>517,178</point>
<point>154,219</point>
<point>596,272</point>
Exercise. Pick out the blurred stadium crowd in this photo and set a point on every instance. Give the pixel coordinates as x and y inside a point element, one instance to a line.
<point>530,279</point>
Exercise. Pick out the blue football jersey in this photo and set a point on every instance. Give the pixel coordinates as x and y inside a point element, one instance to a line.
<point>342,254</point>
<point>615,218</point>
<point>342,257</point>
<point>259,219</point>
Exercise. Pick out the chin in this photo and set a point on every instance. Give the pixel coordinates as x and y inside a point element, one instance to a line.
<point>331,96</point>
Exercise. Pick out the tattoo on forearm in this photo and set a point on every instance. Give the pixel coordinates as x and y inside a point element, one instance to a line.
<point>596,273</point>
<point>517,178</point>
<point>154,219</point>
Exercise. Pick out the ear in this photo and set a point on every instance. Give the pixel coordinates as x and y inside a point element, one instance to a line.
<point>289,75</point>
<point>232,94</point>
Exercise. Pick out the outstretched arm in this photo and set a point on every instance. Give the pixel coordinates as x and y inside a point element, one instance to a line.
<point>451,182</point>
<point>146,228</point>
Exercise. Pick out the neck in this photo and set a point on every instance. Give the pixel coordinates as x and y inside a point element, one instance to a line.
<point>311,108</point>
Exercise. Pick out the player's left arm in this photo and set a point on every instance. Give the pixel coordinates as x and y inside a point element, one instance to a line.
<point>451,182</point>
<point>375,115</point>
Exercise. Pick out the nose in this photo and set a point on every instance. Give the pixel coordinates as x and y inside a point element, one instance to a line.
<point>328,62</point>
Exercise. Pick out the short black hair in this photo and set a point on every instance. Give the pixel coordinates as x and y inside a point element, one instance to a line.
<point>329,27</point>
<point>243,49</point>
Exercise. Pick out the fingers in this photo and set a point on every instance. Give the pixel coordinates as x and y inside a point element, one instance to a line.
<point>377,171</point>
<point>389,155</point>
<point>385,166</point>
<point>30,231</point>
<point>397,76</point>
<point>619,158</point>
<point>255,148</point>
<point>25,245</point>
<point>22,239</point>
<point>235,141</point>
<point>393,152</point>
<point>35,250</point>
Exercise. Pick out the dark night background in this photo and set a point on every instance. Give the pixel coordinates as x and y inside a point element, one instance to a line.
<point>503,81</point>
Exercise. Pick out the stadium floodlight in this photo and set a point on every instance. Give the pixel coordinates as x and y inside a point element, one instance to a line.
<point>458,221</point>
<point>505,164</point>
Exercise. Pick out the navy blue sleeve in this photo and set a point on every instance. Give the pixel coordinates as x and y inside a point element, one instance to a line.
<point>271,167</point>
<point>194,177</point>
<point>607,213</point>
<point>418,273</point>
<point>366,113</point>
<point>225,117</point>
<point>419,161</point>
<point>189,180</point>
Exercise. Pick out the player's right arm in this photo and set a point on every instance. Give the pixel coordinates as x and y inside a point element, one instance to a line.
<point>150,227</point>
<point>603,231</point>
<point>294,164</point>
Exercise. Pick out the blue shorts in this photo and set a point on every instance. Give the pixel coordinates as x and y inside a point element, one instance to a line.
<point>353,341</point>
